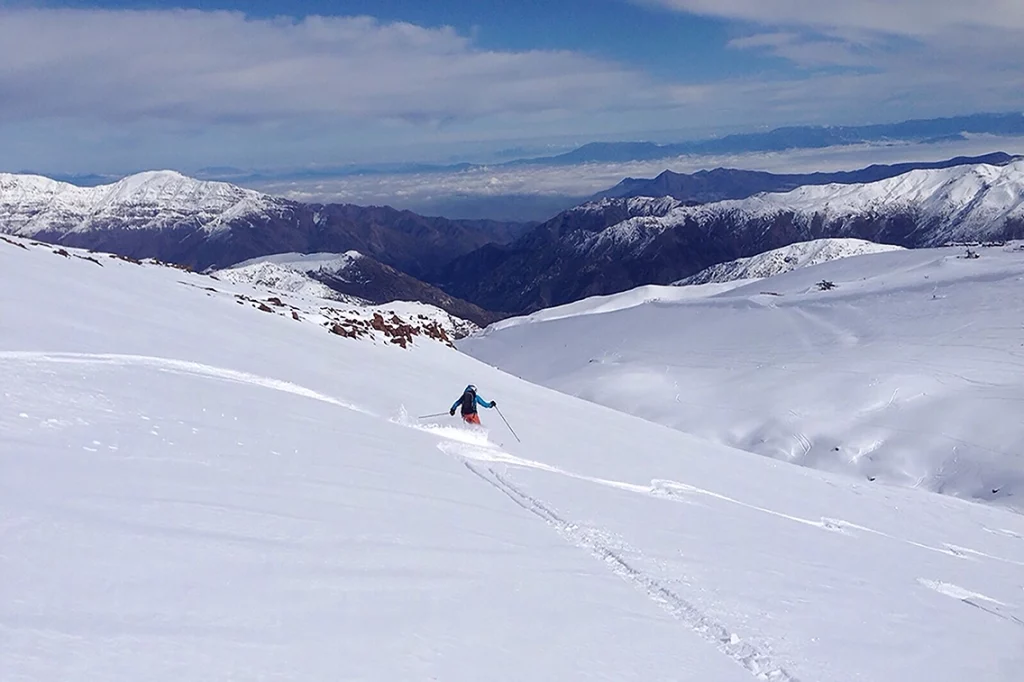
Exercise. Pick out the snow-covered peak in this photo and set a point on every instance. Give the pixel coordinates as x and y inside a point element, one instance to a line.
<point>965,201</point>
<point>31,204</point>
<point>786,259</point>
<point>993,190</point>
<point>635,206</point>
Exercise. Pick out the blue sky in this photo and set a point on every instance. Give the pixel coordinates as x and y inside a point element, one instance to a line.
<point>118,86</point>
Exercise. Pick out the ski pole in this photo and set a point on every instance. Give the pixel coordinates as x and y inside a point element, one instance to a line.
<point>506,423</point>
<point>431,416</point>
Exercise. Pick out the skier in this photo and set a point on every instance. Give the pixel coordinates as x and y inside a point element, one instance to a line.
<point>469,400</point>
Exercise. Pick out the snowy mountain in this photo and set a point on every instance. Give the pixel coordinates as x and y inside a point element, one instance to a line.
<point>348,276</point>
<point>34,206</point>
<point>785,259</point>
<point>203,224</point>
<point>192,487</point>
<point>720,184</point>
<point>907,372</point>
<point>617,244</point>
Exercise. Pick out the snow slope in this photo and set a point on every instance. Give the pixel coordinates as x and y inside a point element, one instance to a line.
<point>596,305</point>
<point>785,259</point>
<point>910,372</point>
<point>32,205</point>
<point>193,489</point>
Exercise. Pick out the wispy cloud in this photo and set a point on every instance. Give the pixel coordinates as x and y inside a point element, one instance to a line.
<point>892,58</point>
<point>203,67</point>
<point>916,18</point>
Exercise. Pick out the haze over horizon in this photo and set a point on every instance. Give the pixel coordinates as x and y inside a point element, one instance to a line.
<point>117,86</point>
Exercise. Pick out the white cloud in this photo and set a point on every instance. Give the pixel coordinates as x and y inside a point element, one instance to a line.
<point>893,58</point>
<point>196,66</point>
<point>900,17</point>
<point>117,90</point>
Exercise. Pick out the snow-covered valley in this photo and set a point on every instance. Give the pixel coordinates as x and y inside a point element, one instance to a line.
<point>910,371</point>
<point>195,485</point>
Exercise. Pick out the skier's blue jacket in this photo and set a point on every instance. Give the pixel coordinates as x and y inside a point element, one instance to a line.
<point>469,404</point>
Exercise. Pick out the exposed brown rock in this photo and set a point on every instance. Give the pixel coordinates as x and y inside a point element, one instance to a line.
<point>14,243</point>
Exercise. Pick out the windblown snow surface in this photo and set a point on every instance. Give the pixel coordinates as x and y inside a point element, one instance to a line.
<point>910,371</point>
<point>192,489</point>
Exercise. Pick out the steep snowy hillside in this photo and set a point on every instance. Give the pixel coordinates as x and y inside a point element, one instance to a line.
<point>786,259</point>
<point>910,371</point>
<point>353,276</point>
<point>193,489</point>
<point>615,245</point>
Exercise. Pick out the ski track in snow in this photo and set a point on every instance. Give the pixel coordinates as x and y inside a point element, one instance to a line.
<point>473,447</point>
<point>178,367</point>
<point>971,598</point>
<point>683,492</point>
<point>756,662</point>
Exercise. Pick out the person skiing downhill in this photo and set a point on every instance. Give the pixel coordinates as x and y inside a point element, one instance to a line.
<point>469,400</point>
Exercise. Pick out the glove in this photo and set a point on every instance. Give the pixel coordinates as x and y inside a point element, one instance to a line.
<point>452,412</point>
<point>494,403</point>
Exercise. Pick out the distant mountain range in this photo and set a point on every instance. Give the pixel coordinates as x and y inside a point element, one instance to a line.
<point>936,130</point>
<point>203,224</point>
<point>616,244</point>
<point>480,270</point>
<point>795,137</point>
<point>729,183</point>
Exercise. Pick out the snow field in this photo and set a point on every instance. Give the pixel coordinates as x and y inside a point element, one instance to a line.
<point>194,489</point>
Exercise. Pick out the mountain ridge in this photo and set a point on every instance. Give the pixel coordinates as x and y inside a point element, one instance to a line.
<point>719,184</point>
<point>795,137</point>
<point>204,224</point>
<point>617,244</point>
